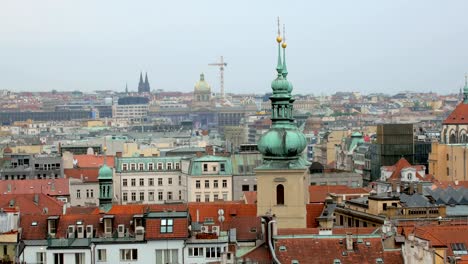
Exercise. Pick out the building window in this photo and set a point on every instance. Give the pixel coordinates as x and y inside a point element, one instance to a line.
<point>215,197</point>
<point>133,182</point>
<point>141,166</point>
<point>448,157</point>
<point>142,182</point>
<point>280,194</point>
<point>255,187</point>
<point>215,183</point>
<point>207,184</point>
<point>133,196</point>
<point>151,196</point>
<point>180,180</point>
<point>125,196</point>
<point>160,166</point>
<point>213,252</point>
<point>169,181</point>
<point>177,166</point>
<point>207,197</point>
<point>198,198</point>
<point>169,196</point>
<point>124,166</point>
<point>87,193</point>
<point>151,166</point>
<point>225,196</point>
<point>150,182</point>
<point>245,188</point>
<point>160,196</point>
<point>205,167</point>
<point>142,196</point>
<point>224,183</point>
<point>78,194</point>
<point>180,195</point>
<point>133,166</point>
<point>197,184</point>
<point>40,258</point>
<point>166,225</point>
<point>164,256</point>
<point>223,167</point>
<point>448,171</point>
<point>160,182</point>
<point>384,206</point>
<point>129,254</point>
<point>58,258</point>
<point>169,166</point>
<point>101,256</point>
<point>195,252</point>
<point>124,182</point>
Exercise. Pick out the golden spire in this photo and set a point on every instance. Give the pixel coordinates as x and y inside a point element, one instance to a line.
<point>284,45</point>
<point>278,38</point>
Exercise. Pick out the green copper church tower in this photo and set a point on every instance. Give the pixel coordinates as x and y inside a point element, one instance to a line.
<point>282,178</point>
<point>105,185</point>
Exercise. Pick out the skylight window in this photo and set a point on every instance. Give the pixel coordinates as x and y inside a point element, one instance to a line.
<point>79,222</point>
<point>34,223</point>
<point>459,248</point>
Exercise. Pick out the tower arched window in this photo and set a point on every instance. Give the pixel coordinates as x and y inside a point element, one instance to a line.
<point>280,194</point>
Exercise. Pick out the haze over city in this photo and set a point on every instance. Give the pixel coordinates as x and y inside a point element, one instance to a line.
<point>364,46</point>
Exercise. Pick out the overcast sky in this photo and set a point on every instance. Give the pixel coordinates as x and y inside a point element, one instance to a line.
<point>366,46</point>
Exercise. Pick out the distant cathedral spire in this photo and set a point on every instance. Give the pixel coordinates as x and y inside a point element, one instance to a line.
<point>141,85</point>
<point>147,86</point>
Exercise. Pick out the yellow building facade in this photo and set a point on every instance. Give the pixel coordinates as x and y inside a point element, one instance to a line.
<point>449,162</point>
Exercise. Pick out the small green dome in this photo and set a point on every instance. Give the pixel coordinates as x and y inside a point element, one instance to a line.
<point>105,172</point>
<point>202,85</point>
<point>280,85</point>
<point>282,143</point>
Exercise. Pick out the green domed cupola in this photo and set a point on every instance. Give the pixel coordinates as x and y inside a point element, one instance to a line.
<point>105,173</point>
<point>283,144</point>
<point>202,85</point>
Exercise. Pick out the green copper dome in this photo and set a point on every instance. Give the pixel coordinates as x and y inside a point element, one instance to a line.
<point>105,173</point>
<point>202,85</point>
<point>283,144</point>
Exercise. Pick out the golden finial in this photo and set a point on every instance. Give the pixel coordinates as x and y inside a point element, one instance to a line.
<point>278,38</point>
<point>284,45</point>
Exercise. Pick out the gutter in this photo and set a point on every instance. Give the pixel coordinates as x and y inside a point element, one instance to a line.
<point>270,244</point>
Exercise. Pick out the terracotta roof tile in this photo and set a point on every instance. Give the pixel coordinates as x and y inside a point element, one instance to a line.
<point>313,211</point>
<point>458,116</point>
<point>88,174</point>
<point>52,187</point>
<point>231,210</point>
<point>250,197</point>
<point>30,232</point>
<point>318,193</point>
<point>259,254</point>
<point>26,205</point>
<point>93,161</point>
<point>305,250</point>
<point>180,229</point>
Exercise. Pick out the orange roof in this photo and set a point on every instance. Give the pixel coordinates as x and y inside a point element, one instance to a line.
<point>233,209</point>
<point>314,210</point>
<point>318,193</point>
<point>441,235</point>
<point>446,184</point>
<point>52,187</point>
<point>88,174</point>
<point>458,116</point>
<point>400,165</point>
<point>180,229</point>
<point>142,208</point>
<point>93,161</point>
<point>305,250</point>
<point>250,197</point>
<point>26,204</point>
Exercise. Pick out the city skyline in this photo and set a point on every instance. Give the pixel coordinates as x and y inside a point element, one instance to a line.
<point>365,46</point>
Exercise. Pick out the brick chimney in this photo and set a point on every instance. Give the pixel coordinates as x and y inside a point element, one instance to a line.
<point>349,242</point>
<point>118,154</point>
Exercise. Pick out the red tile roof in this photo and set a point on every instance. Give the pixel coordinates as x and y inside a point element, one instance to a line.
<point>25,203</point>
<point>260,254</point>
<point>446,184</point>
<point>441,236</point>
<point>400,165</point>
<point>248,228</point>
<point>30,232</point>
<point>231,210</point>
<point>250,197</point>
<point>313,211</point>
<point>82,210</point>
<point>142,208</point>
<point>88,174</point>
<point>52,187</point>
<point>180,229</point>
<point>93,161</point>
<point>458,116</point>
<point>326,250</point>
<point>318,193</point>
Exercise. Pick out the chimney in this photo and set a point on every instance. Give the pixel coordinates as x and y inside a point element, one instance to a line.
<point>36,199</point>
<point>118,154</point>
<point>199,154</point>
<point>209,150</point>
<point>349,241</point>
<point>411,188</point>
<point>419,188</point>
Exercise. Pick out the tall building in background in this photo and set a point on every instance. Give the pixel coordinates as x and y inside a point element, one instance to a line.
<point>281,179</point>
<point>143,86</point>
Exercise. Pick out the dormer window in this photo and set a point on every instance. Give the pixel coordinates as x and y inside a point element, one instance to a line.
<point>141,166</point>
<point>52,225</point>
<point>177,166</point>
<point>160,166</point>
<point>167,225</point>
<point>151,166</point>
<point>169,166</point>
<point>125,167</point>
<point>410,176</point>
